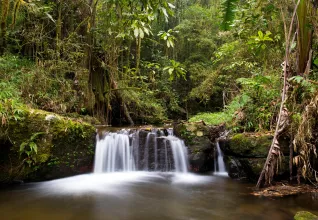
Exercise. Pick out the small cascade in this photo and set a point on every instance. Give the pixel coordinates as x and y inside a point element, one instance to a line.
<point>146,152</point>
<point>135,146</point>
<point>114,153</point>
<point>179,154</point>
<point>166,156</point>
<point>140,150</point>
<point>219,165</point>
<point>170,131</point>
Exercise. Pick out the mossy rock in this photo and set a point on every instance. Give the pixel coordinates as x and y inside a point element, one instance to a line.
<point>200,149</point>
<point>65,147</point>
<point>191,132</point>
<point>247,145</point>
<point>304,215</point>
<point>250,168</point>
<point>252,145</point>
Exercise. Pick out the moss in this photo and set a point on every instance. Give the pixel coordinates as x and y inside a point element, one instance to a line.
<point>62,141</point>
<point>247,145</point>
<point>192,133</point>
<point>304,215</point>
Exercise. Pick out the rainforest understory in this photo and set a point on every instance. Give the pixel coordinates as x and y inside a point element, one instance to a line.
<point>250,66</point>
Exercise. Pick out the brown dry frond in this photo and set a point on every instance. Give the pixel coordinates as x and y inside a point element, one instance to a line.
<point>303,141</point>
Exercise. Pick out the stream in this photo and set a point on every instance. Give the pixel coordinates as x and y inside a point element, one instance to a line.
<point>146,195</point>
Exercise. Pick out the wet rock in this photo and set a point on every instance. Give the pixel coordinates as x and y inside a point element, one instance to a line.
<point>246,154</point>
<point>197,137</point>
<point>235,169</point>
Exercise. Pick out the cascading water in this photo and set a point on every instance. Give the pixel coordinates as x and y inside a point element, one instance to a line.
<point>114,153</point>
<point>219,165</point>
<point>140,150</point>
<point>179,154</point>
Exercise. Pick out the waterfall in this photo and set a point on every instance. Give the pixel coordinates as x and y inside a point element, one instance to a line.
<point>179,154</point>
<point>140,150</point>
<point>114,153</point>
<point>135,146</point>
<point>146,152</point>
<point>219,165</point>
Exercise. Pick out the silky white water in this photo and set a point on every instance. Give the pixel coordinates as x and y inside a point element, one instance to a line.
<point>126,151</point>
<point>179,154</point>
<point>219,165</point>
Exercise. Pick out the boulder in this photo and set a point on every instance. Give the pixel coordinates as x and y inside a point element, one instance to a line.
<point>42,145</point>
<point>253,145</point>
<point>200,148</point>
<point>245,155</point>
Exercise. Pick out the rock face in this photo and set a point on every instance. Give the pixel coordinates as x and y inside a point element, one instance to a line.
<point>246,153</point>
<point>199,139</point>
<point>43,145</point>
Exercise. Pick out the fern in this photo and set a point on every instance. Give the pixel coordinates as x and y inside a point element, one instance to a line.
<point>228,13</point>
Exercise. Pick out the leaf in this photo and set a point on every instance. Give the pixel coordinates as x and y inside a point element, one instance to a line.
<point>136,32</point>
<point>22,146</point>
<point>171,43</point>
<point>35,135</point>
<point>168,44</point>
<point>260,34</point>
<point>50,17</point>
<point>171,5</point>
<point>170,70</point>
<point>141,33</point>
<point>164,11</point>
<point>297,79</point>
<point>146,30</point>
<point>33,147</point>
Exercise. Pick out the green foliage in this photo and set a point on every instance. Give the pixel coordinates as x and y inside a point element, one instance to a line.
<point>43,87</point>
<point>168,37</point>
<point>135,55</point>
<point>264,95</point>
<point>308,85</point>
<point>10,109</point>
<point>29,149</point>
<point>212,118</point>
<point>12,74</point>
<point>175,70</point>
<point>252,110</point>
<point>260,41</point>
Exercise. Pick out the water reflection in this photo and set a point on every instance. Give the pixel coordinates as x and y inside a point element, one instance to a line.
<point>146,195</point>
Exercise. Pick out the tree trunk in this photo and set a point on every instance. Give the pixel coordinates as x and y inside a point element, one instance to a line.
<point>4,13</point>
<point>273,153</point>
<point>89,55</point>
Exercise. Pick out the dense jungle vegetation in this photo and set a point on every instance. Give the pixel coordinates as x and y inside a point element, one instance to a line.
<point>129,62</point>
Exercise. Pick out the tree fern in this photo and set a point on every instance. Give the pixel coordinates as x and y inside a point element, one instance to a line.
<point>228,13</point>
